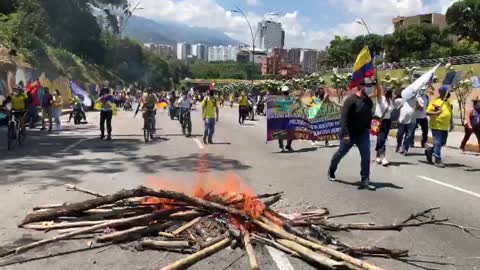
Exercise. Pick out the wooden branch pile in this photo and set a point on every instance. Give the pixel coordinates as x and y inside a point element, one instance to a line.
<point>200,227</point>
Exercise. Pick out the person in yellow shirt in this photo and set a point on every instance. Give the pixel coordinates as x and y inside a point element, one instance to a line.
<point>210,116</point>
<point>440,112</point>
<point>18,103</point>
<point>243,107</point>
<point>231,98</point>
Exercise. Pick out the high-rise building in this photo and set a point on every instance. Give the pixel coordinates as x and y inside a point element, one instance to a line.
<point>271,34</point>
<point>184,50</point>
<point>200,51</point>
<point>294,55</point>
<point>435,19</point>
<point>309,60</point>
<point>223,53</point>
<point>163,50</point>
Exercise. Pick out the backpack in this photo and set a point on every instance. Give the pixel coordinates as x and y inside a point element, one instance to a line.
<point>475,119</point>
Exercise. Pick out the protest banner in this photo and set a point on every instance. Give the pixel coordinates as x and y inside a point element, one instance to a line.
<point>292,118</point>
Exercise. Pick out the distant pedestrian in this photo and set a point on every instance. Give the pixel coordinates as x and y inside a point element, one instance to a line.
<point>33,102</point>
<point>210,116</point>
<point>355,125</point>
<point>472,124</point>
<point>421,114</point>
<point>57,107</point>
<point>47,112</point>
<point>383,112</point>
<point>106,113</point>
<point>406,124</point>
<point>441,122</point>
<point>281,144</point>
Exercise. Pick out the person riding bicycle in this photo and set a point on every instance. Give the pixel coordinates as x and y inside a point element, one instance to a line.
<point>77,105</point>
<point>148,105</point>
<point>185,103</point>
<point>18,103</point>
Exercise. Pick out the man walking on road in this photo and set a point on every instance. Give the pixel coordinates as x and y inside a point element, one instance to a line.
<point>355,124</point>
<point>421,114</point>
<point>47,111</point>
<point>441,122</point>
<point>406,125</point>
<point>210,115</point>
<point>472,124</point>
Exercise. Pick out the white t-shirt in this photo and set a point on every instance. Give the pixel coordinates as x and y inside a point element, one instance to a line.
<point>383,108</point>
<point>185,102</point>
<point>407,111</point>
<point>422,101</point>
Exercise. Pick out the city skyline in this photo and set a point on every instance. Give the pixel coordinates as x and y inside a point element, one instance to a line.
<point>309,24</point>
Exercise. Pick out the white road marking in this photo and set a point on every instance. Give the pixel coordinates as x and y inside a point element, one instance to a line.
<point>75,144</point>
<point>450,186</point>
<point>280,259</point>
<point>199,143</point>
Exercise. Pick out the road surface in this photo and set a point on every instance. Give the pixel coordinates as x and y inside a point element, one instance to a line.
<point>35,174</point>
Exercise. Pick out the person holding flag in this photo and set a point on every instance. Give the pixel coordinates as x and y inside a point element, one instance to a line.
<point>356,118</point>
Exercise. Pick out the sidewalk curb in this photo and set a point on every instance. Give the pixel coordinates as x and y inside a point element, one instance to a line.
<point>469,147</point>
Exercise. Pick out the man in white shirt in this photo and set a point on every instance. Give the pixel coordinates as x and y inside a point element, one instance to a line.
<point>406,125</point>
<point>421,114</point>
<point>185,103</point>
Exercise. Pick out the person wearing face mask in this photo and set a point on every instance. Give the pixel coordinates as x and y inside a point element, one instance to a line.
<point>421,114</point>
<point>406,125</point>
<point>383,112</point>
<point>355,123</point>
<point>472,124</point>
<point>441,122</point>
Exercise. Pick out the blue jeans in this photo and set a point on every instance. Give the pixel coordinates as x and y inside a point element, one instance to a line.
<point>363,144</point>
<point>33,113</point>
<point>383,135</point>
<point>407,131</point>
<point>209,129</point>
<point>439,140</point>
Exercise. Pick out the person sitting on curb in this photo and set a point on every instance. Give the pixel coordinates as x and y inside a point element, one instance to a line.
<point>440,111</point>
<point>472,124</point>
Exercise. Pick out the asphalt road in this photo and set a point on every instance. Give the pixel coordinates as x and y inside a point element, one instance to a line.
<point>35,173</point>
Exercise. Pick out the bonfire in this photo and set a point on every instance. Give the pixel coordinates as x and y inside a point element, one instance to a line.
<point>210,217</point>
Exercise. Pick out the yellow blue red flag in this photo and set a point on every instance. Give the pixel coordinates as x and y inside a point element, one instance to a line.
<point>363,68</point>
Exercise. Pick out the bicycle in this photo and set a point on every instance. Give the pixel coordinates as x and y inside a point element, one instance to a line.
<point>16,132</point>
<point>186,123</point>
<point>148,128</point>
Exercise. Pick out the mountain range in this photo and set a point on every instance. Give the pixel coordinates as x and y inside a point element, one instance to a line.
<point>157,31</point>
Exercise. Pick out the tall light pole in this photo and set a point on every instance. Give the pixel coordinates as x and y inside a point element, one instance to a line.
<point>254,35</point>
<point>362,22</point>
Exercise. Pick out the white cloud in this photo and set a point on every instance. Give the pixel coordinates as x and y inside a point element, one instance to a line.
<point>208,13</point>
<point>254,2</point>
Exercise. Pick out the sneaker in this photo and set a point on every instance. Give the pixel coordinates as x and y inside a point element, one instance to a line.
<point>102,137</point>
<point>397,149</point>
<point>205,140</point>
<point>289,149</point>
<point>109,138</point>
<point>43,128</point>
<point>378,160</point>
<point>385,162</point>
<point>440,164</point>
<point>405,153</point>
<point>210,141</point>
<point>331,176</point>
<point>366,185</point>
<point>282,148</point>
<point>429,155</point>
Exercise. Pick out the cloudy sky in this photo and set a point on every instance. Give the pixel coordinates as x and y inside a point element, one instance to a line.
<point>308,23</point>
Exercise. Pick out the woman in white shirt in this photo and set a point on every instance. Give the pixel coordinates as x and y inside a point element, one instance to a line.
<point>383,112</point>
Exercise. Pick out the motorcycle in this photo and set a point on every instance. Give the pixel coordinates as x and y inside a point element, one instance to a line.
<point>77,116</point>
<point>128,106</point>
<point>261,108</point>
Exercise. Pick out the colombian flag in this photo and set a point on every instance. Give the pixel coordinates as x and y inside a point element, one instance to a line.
<point>363,68</point>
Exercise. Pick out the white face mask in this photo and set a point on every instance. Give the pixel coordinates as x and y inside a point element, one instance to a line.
<point>368,91</point>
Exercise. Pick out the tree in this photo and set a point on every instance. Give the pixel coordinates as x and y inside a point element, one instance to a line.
<point>339,52</point>
<point>463,18</point>
<point>373,41</point>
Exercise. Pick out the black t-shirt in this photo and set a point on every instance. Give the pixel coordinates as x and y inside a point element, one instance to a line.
<point>357,113</point>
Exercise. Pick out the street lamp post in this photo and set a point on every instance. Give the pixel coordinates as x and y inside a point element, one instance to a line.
<point>362,22</point>
<point>238,10</point>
